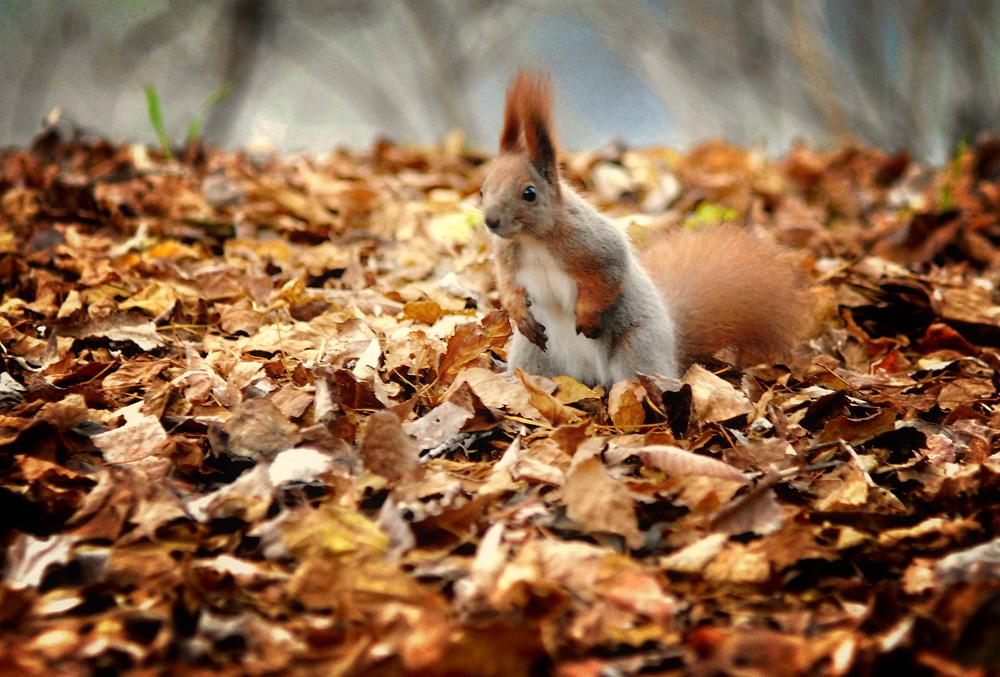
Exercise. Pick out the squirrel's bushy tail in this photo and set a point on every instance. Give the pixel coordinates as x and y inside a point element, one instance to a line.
<point>726,289</point>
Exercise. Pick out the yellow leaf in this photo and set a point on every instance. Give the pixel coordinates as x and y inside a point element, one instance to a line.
<point>457,228</point>
<point>152,300</point>
<point>426,312</point>
<point>625,404</point>
<point>570,390</point>
<point>172,249</point>
<point>331,531</point>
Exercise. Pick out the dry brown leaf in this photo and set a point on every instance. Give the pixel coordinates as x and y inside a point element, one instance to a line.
<point>294,202</point>
<point>135,374</point>
<point>625,405</point>
<point>468,346</point>
<point>598,502</point>
<point>425,312</point>
<point>714,399</point>
<point>125,327</point>
<point>740,564</point>
<point>138,443</point>
<point>501,477</point>
<point>292,401</point>
<point>157,297</point>
<point>694,557</point>
<point>843,489</point>
<point>200,380</point>
<point>676,461</point>
<point>497,392</point>
<point>978,563</point>
<point>388,451</point>
<point>541,398</point>
<point>438,425</point>
<point>935,530</point>
<point>248,498</point>
<point>241,318</point>
<point>571,391</point>
<point>330,532</point>
<point>755,512</point>
<point>574,566</point>
<point>28,558</point>
<point>256,429</point>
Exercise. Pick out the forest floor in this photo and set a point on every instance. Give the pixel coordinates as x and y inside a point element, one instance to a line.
<point>254,420</point>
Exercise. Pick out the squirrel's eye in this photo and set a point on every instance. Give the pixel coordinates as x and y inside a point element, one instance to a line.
<point>529,194</point>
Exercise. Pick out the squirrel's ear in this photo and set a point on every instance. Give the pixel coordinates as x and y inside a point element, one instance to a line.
<point>510,137</point>
<point>539,135</point>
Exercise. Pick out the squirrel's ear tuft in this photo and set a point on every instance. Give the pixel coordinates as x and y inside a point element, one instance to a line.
<point>510,137</point>
<point>535,104</point>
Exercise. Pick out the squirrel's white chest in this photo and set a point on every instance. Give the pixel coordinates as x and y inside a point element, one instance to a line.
<point>549,288</point>
<point>552,293</point>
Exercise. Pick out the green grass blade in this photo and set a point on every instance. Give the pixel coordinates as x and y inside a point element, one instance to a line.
<point>194,129</point>
<point>156,118</point>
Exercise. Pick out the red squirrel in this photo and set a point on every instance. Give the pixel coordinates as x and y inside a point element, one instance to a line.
<point>581,301</point>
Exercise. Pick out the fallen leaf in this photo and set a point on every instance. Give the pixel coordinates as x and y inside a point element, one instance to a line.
<point>625,405</point>
<point>600,503</point>
<point>138,443</point>
<point>755,512</point>
<point>257,429</point>
<point>29,558</point>
<point>675,461</point>
<point>439,425</point>
<point>123,328</point>
<point>714,399</point>
<point>388,451</point>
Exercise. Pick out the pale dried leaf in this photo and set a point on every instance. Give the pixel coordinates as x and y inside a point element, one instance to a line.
<point>693,558</point>
<point>714,399</point>
<point>625,404</point>
<point>258,430</point>
<point>140,331</point>
<point>978,563</point>
<point>740,564</point>
<point>438,425</point>
<point>136,443</point>
<point>599,502</point>
<point>29,558</point>
<point>755,512</point>
<point>498,392</point>
<point>676,461</point>
<point>388,451</point>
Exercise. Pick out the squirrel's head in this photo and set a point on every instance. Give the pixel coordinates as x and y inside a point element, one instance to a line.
<point>521,192</point>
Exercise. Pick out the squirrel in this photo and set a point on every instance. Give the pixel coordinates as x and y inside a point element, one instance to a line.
<point>584,305</point>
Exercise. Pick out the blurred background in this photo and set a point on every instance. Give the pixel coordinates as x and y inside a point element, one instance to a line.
<point>311,75</point>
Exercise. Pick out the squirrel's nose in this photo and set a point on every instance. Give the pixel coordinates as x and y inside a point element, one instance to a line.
<point>492,222</point>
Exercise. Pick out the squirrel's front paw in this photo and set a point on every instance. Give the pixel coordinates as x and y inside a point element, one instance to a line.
<point>590,332</point>
<point>534,331</point>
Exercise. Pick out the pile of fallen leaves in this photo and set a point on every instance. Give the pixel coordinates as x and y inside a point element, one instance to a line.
<point>254,419</point>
